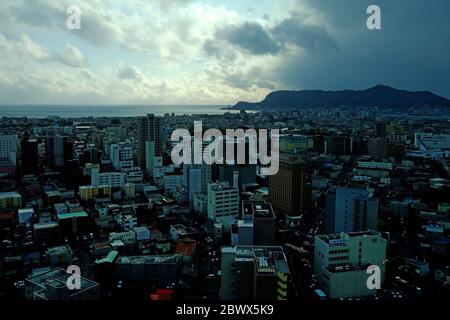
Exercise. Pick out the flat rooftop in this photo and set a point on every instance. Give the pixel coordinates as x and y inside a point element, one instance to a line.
<point>268,259</point>
<point>38,226</point>
<point>154,259</point>
<point>182,229</point>
<point>258,209</point>
<point>348,268</point>
<point>109,258</point>
<point>9,194</point>
<point>59,249</point>
<point>333,238</point>
<point>70,215</point>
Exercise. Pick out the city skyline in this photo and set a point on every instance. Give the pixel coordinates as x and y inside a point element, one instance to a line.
<point>216,52</point>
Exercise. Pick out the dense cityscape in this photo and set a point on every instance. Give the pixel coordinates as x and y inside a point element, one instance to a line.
<point>355,188</point>
<point>203,159</point>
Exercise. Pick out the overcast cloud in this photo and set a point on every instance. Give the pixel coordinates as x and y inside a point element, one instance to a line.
<point>216,52</point>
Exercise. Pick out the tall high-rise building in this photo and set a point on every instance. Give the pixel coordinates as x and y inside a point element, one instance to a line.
<point>244,116</point>
<point>192,180</point>
<point>223,203</point>
<point>196,178</point>
<point>30,156</point>
<point>149,129</point>
<point>341,262</point>
<point>338,145</point>
<point>254,273</point>
<point>319,143</point>
<point>114,155</point>
<point>246,174</point>
<point>377,148</point>
<point>289,190</point>
<point>91,153</point>
<point>260,215</point>
<point>8,147</point>
<point>58,150</point>
<point>350,208</point>
<point>380,129</point>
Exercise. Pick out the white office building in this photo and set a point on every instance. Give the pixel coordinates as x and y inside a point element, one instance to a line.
<point>111,179</point>
<point>341,262</point>
<point>223,203</point>
<point>121,156</point>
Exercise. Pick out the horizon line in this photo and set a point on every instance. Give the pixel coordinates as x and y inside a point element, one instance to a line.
<point>111,105</point>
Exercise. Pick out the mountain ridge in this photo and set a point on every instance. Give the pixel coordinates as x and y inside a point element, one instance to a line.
<point>381,96</point>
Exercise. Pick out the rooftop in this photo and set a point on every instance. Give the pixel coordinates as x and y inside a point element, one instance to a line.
<point>220,186</point>
<point>59,249</point>
<point>109,258</point>
<point>53,193</point>
<point>336,239</point>
<point>155,259</point>
<point>9,194</point>
<point>186,247</point>
<point>70,215</point>
<point>182,229</point>
<point>258,208</point>
<point>348,268</point>
<point>38,226</point>
<point>268,259</point>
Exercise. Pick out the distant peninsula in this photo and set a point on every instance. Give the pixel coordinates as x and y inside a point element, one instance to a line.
<point>380,96</point>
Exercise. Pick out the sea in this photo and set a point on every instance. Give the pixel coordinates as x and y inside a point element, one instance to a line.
<point>73,111</point>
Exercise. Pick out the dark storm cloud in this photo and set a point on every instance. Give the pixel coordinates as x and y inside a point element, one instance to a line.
<point>310,37</point>
<point>249,36</point>
<point>411,51</point>
<point>253,38</point>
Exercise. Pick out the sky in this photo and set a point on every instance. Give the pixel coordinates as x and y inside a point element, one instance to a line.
<point>216,51</point>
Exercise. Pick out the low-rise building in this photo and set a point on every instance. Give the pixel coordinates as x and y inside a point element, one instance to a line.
<point>149,270</point>
<point>127,237</point>
<point>25,215</point>
<point>9,200</point>
<point>46,232</point>
<point>87,193</point>
<point>73,223</point>
<point>59,256</point>
<point>142,234</point>
<point>179,231</point>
